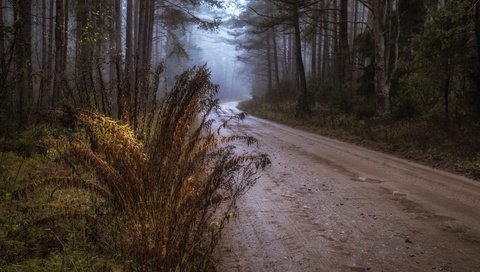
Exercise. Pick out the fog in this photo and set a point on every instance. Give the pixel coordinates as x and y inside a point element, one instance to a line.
<point>216,49</point>
<point>221,57</point>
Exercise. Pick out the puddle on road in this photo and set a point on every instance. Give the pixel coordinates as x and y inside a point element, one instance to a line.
<point>367,180</point>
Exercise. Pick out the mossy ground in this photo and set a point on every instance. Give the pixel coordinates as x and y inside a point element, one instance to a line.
<point>55,246</point>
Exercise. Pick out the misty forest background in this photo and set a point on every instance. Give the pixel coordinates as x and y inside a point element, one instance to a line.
<point>398,76</point>
<point>99,102</point>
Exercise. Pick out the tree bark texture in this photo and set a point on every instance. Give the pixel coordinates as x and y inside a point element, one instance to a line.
<point>381,92</point>
<point>60,45</point>
<point>303,108</point>
<point>23,58</point>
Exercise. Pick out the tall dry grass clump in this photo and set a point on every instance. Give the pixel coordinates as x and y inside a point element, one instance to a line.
<point>162,194</point>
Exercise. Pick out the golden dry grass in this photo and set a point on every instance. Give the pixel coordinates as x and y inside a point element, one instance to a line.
<point>163,193</point>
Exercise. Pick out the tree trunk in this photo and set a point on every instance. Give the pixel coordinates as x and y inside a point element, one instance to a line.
<point>477,32</point>
<point>336,45</point>
<point>116,55</point>
<point>314,50</point>
<point>125,98</point>
<point>275,58</point>
<point>118,25</point>
<point>303,107</point>
<point>60,45</point>
<point>354,50</point>
<point>149,38</point>
<point>343,42</point>
<point>44,63</point>
<point>325,55</point>
<point>292,58</point>
<point>285,55</point>
<point>477,36</point>
<point>65,33</point>
<point>144,39</point>
<point>138,5</point>
<point>84,51</point>
<point>23,54</point>
<point>326,43</point>
<point>381,90</point>
<point>321,40</point>
<point>141,32</point>
<point>305,56</point>
<point>446,86</point>
<point>2,40</point>
<point>269,66</point>
<point>112,52</point>
<point>3,68</point>
<point>320,43</point>
<point>51,42</point>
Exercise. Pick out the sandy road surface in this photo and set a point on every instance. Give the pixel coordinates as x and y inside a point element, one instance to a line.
<point>325,205</point>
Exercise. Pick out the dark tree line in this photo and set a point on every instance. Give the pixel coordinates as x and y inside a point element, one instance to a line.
<point>372,57</point>
<point>105,55</point>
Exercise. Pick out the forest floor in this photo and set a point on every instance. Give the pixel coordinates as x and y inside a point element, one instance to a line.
<point>327,205</point>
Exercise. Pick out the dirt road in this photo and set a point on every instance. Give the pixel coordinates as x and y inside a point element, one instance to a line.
<point>325,205</point>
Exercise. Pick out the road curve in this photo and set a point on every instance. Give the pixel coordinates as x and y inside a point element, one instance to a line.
<point>326,205</point>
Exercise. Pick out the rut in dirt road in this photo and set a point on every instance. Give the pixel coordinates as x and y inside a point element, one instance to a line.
<point>325,205</point>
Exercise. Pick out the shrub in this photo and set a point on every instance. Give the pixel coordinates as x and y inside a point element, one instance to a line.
<point>161,199</point>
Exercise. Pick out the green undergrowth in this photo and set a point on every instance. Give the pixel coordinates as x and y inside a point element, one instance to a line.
<point>453,146</point>
<point>27,245</point>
